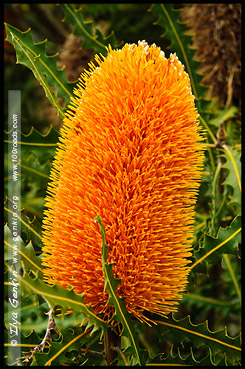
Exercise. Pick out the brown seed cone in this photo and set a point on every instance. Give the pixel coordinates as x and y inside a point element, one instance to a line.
<point>75,60</point>
<point>73,57</point>
<point>216,30</point>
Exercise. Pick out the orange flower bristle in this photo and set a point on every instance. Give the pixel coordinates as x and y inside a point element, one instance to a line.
<point>131,152</point>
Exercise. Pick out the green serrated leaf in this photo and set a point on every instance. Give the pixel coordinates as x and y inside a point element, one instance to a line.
<point>57,295</point>
<point>233,164</point>
<point>180,331</point>
<point>43,146</point>
<point>44,67</point>
<point>31,228</point>
<point>27,253</point>
<point>226,242</point>
<point>92,37</point>
<point>168,18</point>
<point>70,341</point>
<point>121,313</point>
<point>175,31</point>
<point>28,341</point>
<point>178,359</point>
<point>36,152</point>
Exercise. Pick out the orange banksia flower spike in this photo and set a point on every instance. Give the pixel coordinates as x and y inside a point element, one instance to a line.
<point>131,152</point>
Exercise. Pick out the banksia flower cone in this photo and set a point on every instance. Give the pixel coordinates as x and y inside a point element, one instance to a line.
<point>131,153</point>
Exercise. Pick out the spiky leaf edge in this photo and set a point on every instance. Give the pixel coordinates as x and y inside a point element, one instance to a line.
<point>175,31</point>
<point>212,248</point>
<point>200,335</point>
<point>111,284</point>
<point>44,67</point>
<point>92,37</point>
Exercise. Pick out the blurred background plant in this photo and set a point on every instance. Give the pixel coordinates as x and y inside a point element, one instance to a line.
<point>207,39</point>
<point>216,30</point>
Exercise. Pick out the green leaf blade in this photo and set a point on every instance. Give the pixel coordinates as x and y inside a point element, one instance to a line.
<point>27,253</point>
<point>233,179</point>
<point>189,360</point>
<point>91,38</point>
<point>43,146</point>
<point>175,32</point>
<point>183,330</point>
<point>44,67</point>
<point>57,295</point>
<point>226,242</point>
<point>121,312</point>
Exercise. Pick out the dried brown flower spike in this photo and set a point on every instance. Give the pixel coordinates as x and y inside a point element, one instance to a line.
<point>216,30</point>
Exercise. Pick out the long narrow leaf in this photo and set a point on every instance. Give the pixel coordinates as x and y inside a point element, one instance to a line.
<point>31,228</point>
<point>175,31</point>
<point>33,56</point>
<point>121,313</point>
<point>226,242</point>
<point>56,354</point>
<point>199,335</point>
<point>189,360</point>
<point>92,37</point>
<point>27,253</point>
<point>43,146</point>
<point>233,164</point>
<point>57,295</point>
<point>208,303</point>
